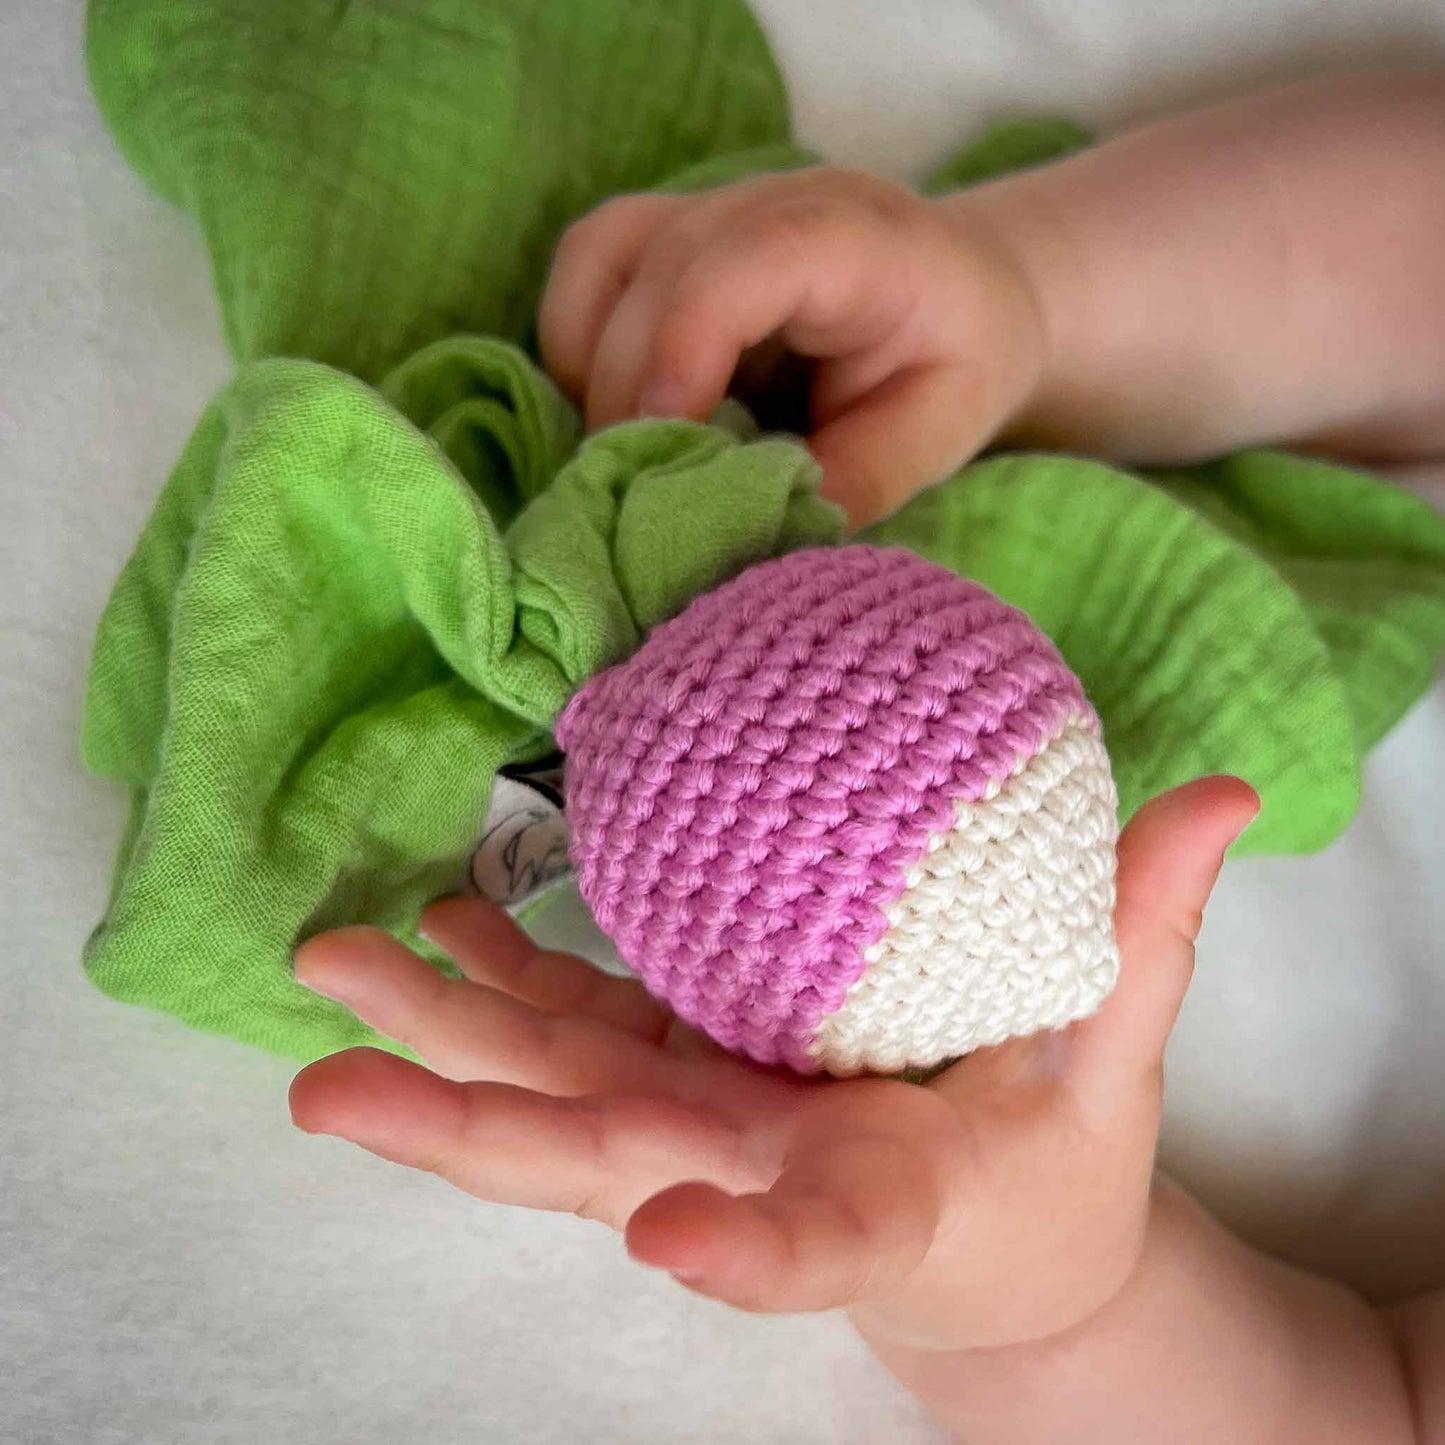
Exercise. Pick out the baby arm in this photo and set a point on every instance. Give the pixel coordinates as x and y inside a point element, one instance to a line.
<point>1263,271</point>
<point>1266,270</point>
<point>1208,1340</point>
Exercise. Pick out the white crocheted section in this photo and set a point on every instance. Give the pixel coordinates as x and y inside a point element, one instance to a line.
<point>1006,927</point>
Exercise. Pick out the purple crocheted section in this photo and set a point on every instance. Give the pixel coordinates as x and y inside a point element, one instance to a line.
<point>749,791</point>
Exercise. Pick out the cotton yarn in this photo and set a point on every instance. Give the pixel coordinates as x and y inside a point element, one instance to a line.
<point>849,813</point>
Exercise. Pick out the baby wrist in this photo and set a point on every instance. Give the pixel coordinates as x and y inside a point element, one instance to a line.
<point>1026,237</point>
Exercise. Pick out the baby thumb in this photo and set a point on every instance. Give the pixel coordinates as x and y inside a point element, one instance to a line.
<point>1169,858</point>
<point>912,430</point>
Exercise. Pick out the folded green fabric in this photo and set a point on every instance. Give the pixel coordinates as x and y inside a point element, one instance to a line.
<point>1266,616</point>
<point>386,558</point>
<point>375,175</point>
<point>324,648</point>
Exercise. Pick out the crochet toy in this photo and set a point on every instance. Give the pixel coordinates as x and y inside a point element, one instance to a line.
<point>849,811</point>
<point>387,560</point>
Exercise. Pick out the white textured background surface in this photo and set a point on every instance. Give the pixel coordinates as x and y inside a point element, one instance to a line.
<point>177,1264</point>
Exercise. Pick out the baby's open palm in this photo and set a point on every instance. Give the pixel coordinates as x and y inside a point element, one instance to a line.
<point>1002,1201</point>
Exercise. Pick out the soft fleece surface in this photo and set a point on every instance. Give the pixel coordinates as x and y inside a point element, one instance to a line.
<point>179,1265</point>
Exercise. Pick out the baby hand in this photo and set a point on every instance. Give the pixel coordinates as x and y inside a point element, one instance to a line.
<point>1003,1202</point>
<point>922,327</point>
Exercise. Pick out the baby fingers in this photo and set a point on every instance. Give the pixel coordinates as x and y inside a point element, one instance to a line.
<point>491,948</point>
<point>468,1031</point>
<point>653,301</point>
<point>595,259</point>
<point>594,1156</point>
<point>805,269</point>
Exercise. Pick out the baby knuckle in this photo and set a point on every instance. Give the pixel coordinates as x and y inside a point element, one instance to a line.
<point>543,1035</point>
<point>789,226</point>
<point>664,258</point>
<point>593,1157</point>
<point>573,246</point>
<point>873,192</point>
<point>582,235</point>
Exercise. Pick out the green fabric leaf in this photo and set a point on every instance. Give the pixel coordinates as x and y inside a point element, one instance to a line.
<point>1263,616</point>
<point>372,176</point>
<point>1366,561</point>
<point>325,646</point>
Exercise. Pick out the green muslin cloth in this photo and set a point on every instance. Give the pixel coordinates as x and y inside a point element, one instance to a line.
<point>387,557</point>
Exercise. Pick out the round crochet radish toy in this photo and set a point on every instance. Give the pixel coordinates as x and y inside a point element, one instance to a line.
<point>849,813</point>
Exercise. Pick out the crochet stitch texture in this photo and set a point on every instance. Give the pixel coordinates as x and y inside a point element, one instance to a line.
<point>849,812</point>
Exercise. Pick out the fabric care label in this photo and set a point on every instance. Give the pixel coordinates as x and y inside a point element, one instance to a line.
<point>523,847</point>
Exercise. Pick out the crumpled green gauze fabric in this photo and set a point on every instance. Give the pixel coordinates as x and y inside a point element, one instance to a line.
<point>343,615</point>
<point>385,560</point>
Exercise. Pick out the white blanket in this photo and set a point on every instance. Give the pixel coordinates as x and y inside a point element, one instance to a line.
<point>178,1264</point>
